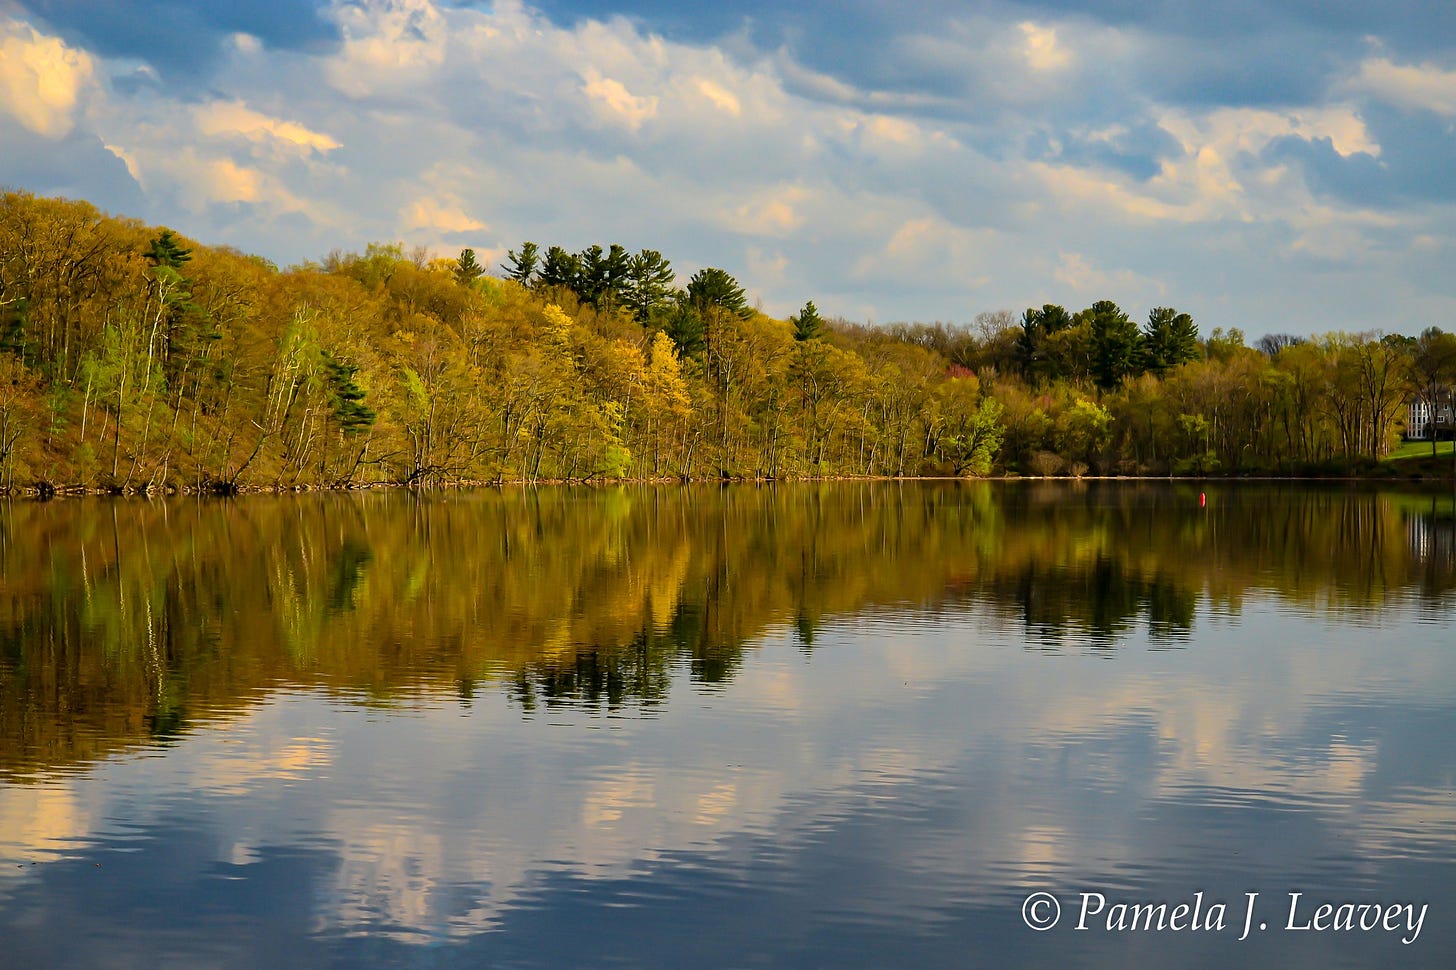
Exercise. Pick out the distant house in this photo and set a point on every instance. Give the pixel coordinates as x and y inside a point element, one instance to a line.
<point>1424,421</point>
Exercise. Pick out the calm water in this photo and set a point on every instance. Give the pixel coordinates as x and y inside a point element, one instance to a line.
<point>850,725</point>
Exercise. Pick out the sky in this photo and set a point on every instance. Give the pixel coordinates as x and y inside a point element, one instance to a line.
<point>1270,165</point>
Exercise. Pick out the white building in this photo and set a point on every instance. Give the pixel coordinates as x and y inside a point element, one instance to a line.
<point>1423,420</point>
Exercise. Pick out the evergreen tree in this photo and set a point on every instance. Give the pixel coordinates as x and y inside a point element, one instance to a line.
<point>346,397</point>
<point>189,333</point>
<point>13,338</point>
<point>1032,350</point>
<point>648,285</point>
<point>685,328</point>
<point>603,276</point>
<point>186,331</point>
<point>467,270</point>
<point>613,273</point>
<point>560,269</point>
<point>591,275</point>
<point>1116,344</point>
<point>522,267</point>
<point>1169,339</point>
<point>165,251</point>
<point>808,325</point>
<point>713,288</point>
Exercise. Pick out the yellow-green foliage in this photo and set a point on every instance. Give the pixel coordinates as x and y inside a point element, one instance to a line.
<point>122,618</point>
<point>121,371</point>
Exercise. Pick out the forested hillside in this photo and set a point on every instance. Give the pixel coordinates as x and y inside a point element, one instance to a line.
<point>132,358</point>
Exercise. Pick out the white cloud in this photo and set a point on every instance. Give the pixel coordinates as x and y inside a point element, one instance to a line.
<point>1041,50</point>
<point>388,44</point>
<point>196,177</point>
<point>42,79</point>
<point>1083,276</point>
<point>223,180</point>
<point>990,148</point>
<point>719,96</point>
<point>1218,176</point>
<point>1197,189</point>
<point>445,216</point>
<point>1424,87</point>
<point>247,43</point>
<point>774,213</point>
<point>236,119</point>
<point>926,249</point>
<point>888,135</point>
<point>812,83</point>
<point>129,160</point>
<point>616,103</point>
<point>1250,130</point>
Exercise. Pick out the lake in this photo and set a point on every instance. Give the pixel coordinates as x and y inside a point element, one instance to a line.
<point>841,725</point>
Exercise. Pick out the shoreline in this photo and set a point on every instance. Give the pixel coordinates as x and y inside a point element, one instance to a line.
<point>49,492</point>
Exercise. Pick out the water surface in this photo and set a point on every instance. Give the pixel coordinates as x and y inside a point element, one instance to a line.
<point>841,725</point>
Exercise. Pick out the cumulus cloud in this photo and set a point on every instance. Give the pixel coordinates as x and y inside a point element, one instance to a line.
<point>924,247</point>
<point>1248,130</point>
<point>1418,87</point>
<point>718,96</point>
<point>42,79</point>
<point>1042,52</point>
<point>927,164</point>
<point>387,45</point>
<point>236,119</point>
<point>616,103</point>
<point>439,215</point>
<point>776,212</point>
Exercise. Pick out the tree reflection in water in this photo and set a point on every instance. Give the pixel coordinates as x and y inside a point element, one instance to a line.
<point>124,622</point>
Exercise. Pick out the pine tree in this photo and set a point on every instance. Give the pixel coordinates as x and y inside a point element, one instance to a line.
<point>713,287</point>
<point>648,285</point>
<point>13,338</point>
<point>164,251</point>
<point>522,267</point>
<point>1169,339</point>
<point>467,270</point>
<point>685,327</point>
<point>602,276</point>
<point>346,397</point>
<point>1037,326</point>
<point>186,330</point>
<point>560,268</point>
<point>610,278</point>
<point>808,325</point>
<point>1116,344</point>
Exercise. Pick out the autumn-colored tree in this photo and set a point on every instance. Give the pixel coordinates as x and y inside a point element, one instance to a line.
<point>968,427</point>
<point>138,359</point>
<point>1433,372</point>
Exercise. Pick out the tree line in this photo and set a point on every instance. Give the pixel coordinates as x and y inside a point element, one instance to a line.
<point>133,358</point>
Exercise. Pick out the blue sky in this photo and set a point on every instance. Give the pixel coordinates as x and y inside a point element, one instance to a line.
<point>1282,165</point>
